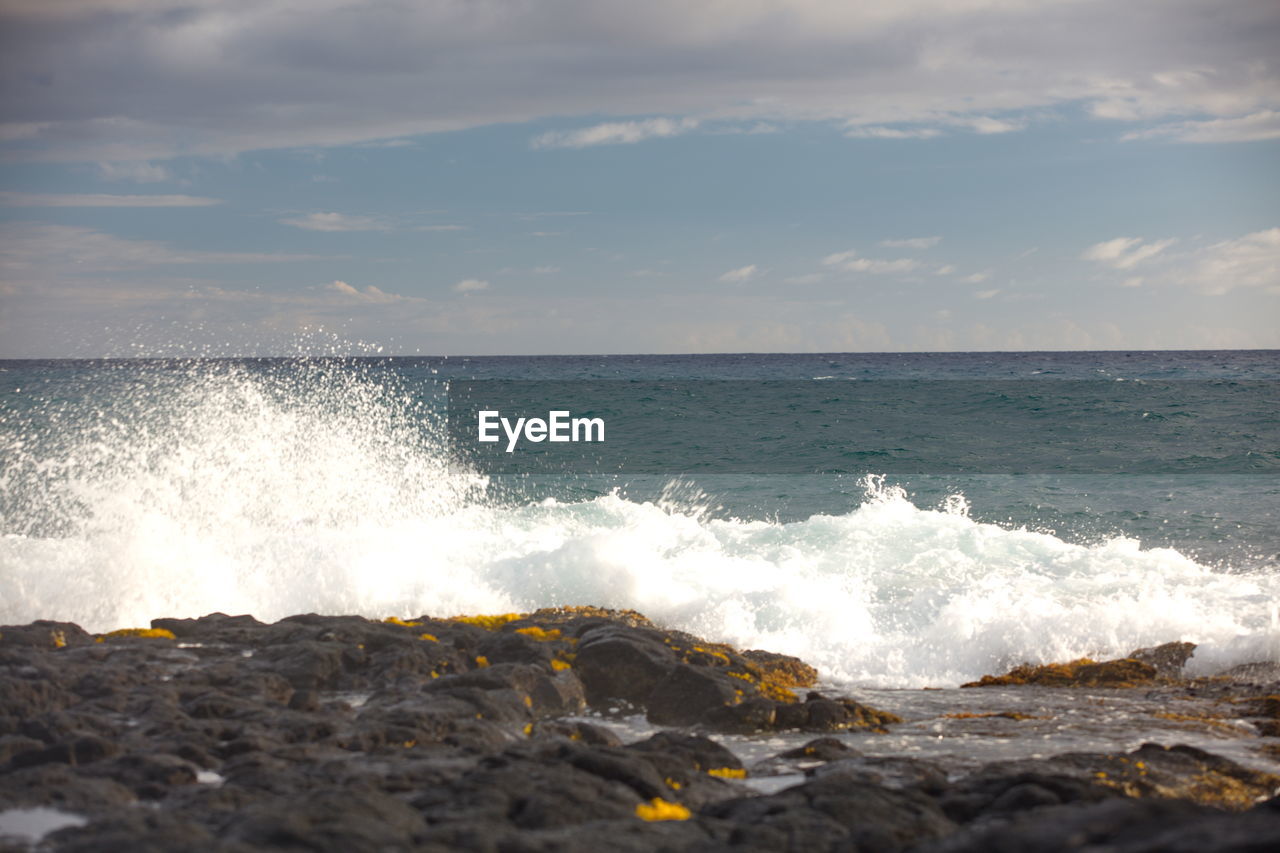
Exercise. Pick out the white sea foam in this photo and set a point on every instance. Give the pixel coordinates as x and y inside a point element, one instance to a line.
<point>229,493</point>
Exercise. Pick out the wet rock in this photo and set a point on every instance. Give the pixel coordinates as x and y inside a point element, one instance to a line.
<point>81,750</point>
<point>148,776</point>
<point>576,730</point>
<point>341,821</point>
<point>1168,659</point>
<point>63,787</point>
<point>783,670</point>
<point>1175,772</point>
<point>1118,825</point>
<point>887,771</point>
<point>835,812</point>
<point>999,791</point>
<point>820,714</point>
<point>44,634</point>
<point>614,664</point>
<point>1079,673</point>
<point>687,693</point>
<point>216,627</point>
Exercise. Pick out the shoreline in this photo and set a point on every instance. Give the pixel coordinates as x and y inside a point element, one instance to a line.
<point>542,731</point>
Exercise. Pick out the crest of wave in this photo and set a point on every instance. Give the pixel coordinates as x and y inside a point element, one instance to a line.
<point>185,487</point>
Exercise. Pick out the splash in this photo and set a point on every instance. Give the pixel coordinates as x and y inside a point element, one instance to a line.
<point>322,486</point>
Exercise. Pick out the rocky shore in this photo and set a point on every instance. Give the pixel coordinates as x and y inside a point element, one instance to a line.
<point>500,733</point>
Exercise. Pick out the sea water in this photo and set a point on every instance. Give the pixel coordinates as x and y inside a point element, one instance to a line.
<point>134,489</point>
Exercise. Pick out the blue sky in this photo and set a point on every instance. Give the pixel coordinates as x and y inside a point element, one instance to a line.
<point>566,176</point>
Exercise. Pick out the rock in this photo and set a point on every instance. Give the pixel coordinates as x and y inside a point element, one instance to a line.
<point>44,634</point>
<point>835,812</point>
<point>687,693</point>
<point>783,670</point>
<point>1079,673</point>
<point>85,749</point>
<point>337,820</point>
<point>820,714</point>
<point>1168,659</point>
<point>1176,772</point>
<point>1118,825</point>
<point>620,665</point>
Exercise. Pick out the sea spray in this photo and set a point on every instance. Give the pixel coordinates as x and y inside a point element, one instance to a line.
<point>321,485</point>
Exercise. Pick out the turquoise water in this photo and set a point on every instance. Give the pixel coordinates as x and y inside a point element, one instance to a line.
<point>994,508</point>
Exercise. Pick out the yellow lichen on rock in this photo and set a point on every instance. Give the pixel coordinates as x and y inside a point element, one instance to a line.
<point>728,772</point>
<point>430,638</point>
<point>540,634</point>
<point>489,623</point>
<point>396,620</point>
<point>660,809</point>
<point>560,665</point>
<point>482,661</point>
<point>1084,672</point>
<point>150,633</point>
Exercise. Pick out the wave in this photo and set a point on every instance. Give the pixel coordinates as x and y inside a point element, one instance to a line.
<point>322,489</point>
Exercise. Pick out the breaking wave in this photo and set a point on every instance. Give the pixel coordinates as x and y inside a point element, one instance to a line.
<point>314,487</point>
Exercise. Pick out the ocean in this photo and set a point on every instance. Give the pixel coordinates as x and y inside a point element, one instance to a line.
<point>898,520</point>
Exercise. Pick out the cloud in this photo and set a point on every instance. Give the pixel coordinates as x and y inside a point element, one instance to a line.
<point>369,294</point>
<point>976,278</point>
<point>471,285</point>
<point>986,294</point>
<point>912,243</point>
<point>850,262</point>
<point>16,199</point>
<point>857,132</point>
<point>334,222</point>
<point>1255,127</point>
<point>138,172</point>
<point>741,274</point>
<point>32,250</point>
<point>126,81</point>
<point>945,269</point>
<point>1124,253</point>
<point>1251,261</point>
<point>615,133</point>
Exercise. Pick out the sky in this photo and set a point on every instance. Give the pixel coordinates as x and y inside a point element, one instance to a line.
<point>268,177</point>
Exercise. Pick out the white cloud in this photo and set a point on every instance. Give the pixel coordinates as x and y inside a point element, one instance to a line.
<point>334,222</point>
<point>1251,261</point>
<point>850,262</point>
<point>1132,281</point>
<point>471,285</point>
<point>945,269</point>
<point>138,172</point>
<point>369,294</point>
<point>741,274</point>
<point>615,133</point>
<point>1255,127</point>
<point>16,199</point>
<point>28,248</point>
<point>225,78</point>
<point>876,132</point>
<point>912,243</point>
<point>986,294</point>
<point>1124,253</point>
<point>976,278</point>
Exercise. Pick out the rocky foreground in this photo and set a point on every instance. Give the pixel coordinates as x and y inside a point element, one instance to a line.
<point>328,733</point>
